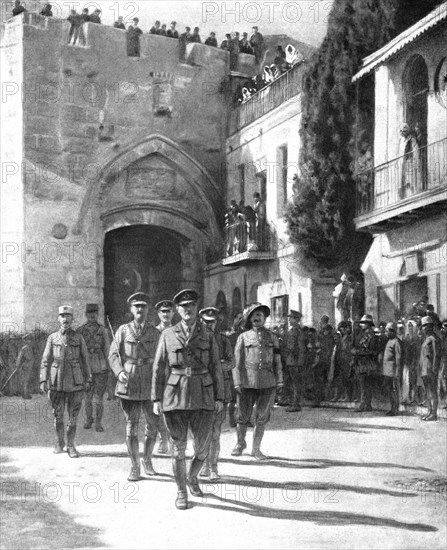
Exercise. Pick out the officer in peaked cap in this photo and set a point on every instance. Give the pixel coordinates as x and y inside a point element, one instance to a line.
<point>165,312</point>
<point>65,372</point>
<point>131,359</point>
<point>429,363</point>
<point>257,375</point>
<point>98,345</point>
<point>188,388</point>
<point>209,316</point>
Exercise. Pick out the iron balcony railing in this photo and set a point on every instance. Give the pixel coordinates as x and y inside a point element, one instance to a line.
<point>253,236</point>
<point>420,170</point>
<point>285,87</point>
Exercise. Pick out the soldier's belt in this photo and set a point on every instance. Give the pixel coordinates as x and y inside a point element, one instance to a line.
<point>188,371</point>
<point>139,362</point>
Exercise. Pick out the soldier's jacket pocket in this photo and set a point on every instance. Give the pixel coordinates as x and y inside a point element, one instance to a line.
<point>173,379</point>
<point>207,391</point>
<point>207,381</point>
<point>175,357</point>
<point>77,374</point>
<point>53,373</point>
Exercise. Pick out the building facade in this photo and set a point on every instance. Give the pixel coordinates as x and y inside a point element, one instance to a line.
<point>113,167</point>
<point>258,263</point>
<point>402,200</point>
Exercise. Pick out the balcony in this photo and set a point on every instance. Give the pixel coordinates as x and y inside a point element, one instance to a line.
<point>285,87</point>
<point>403,190</point>
<point>245,241</point>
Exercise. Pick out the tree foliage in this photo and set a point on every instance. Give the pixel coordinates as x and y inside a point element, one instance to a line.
<point>336,124</point>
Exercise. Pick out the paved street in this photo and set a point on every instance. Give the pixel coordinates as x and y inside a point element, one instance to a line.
<point>335,479</point>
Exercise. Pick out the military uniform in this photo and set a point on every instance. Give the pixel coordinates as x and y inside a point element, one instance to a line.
<point>98,344</point>
<point>133,351</point>
<point>257,373</point>
<point>429,364</point>
<point>227,363</point>
<point>295,361</point>
<point>392,367</point>
<point>25,364</point>
<point>365,352</point>
<point>187,381</point>
<point>66,369</point>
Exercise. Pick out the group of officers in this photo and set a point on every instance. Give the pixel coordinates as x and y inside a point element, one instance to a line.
<point>181,376</point>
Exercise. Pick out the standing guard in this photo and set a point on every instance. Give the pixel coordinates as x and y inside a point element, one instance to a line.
<point>131,358</point>
<point>65,372</point>
<point>25,364</point>
<point>188,388</point>
<point>296,355</point>
<point>392,366</point>
<point>98,344</point>
<point>429,363</point>
<point>365,352</point>
<point>257,375</point>
<point>209,316</point>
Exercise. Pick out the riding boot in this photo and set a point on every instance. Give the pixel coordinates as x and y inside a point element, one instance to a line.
<point>191,480</point>
<point>88,413</point>
<point>133,450</point>
<point>99,413</point>
<point>241,444</point>
<point>205,472</point>
<point>179,469</point>
<point>149,445</point>
<point>71,449</point>
<point>231,416</point>
<point>60,443</point>
<point>257,438</point>
<point>213,458</point>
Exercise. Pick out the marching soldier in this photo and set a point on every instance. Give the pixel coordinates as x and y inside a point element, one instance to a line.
<point>209,316</point>
<point>365,352</point>
<point>188,388</point>
<point>429,363</point>
<point>98,344</point>
<point>392,366</point>
<point>165,312</point>
<point>296,355</point>
<point>257,375</point>
<point>25,364</point>
<point>65,372</point>
<point>131,358</point>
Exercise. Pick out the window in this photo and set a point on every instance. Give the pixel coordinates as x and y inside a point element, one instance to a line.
<point>279,309</point>
<point>241,169</point>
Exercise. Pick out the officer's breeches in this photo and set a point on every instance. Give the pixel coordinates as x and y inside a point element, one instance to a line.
<point>95,395</point>
<point>264,400</point>
<point>201,424</point>
<point>73,401</point>
<point>132,412</point>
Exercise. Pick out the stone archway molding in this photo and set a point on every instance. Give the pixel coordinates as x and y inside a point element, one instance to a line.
<point>114,163</point>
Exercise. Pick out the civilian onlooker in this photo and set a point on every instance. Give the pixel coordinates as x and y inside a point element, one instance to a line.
<point>163,30</point>
<point>120,23</point>
<point>244,44</point>
<point>429,363</point>
<point>227,43</point>
<point>324,321</point>
<point>184,39</point>
<point>195,37</point>
<point>95,17</point>
<point>24,364</point>
<point>261,218</point>
<point>391,366</point>
<point>85,18</point>
<point>443,369</point>
<point>311,361</point>
<point>133,38</point>
<point>172,32</point>
<point>156,28</point>
<point>321,368</point>
<point>257,43</point>
<point>18,8</point>
<point>430,311</point>
<point>211,40</point>
<point>75,23</point>
<point>47,11</point>
<point>365,351</point>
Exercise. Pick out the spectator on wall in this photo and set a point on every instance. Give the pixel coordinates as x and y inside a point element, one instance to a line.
<point>211,40</point>
<point>120,23</point>
<point>18,8</point>
<point>133,38</point>
<point>172,32</point>
<point>195,37</point>
<point>47,11</point>
<point>156,28</point>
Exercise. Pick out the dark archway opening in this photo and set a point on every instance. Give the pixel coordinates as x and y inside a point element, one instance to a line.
<point>140,258</point>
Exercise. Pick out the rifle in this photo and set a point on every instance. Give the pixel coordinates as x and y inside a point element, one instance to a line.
<point>124,385</point>
<point>9,378</point>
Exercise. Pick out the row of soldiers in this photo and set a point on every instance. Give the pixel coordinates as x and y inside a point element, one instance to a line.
<point>358,357</point>
<point>181,377</point>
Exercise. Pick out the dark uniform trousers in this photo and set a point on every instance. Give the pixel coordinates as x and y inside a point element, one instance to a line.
<point>187,380</point>
<point>96,394</point>
<point>132,412</point>
<point>264,399</point>
<point>61,399</point>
